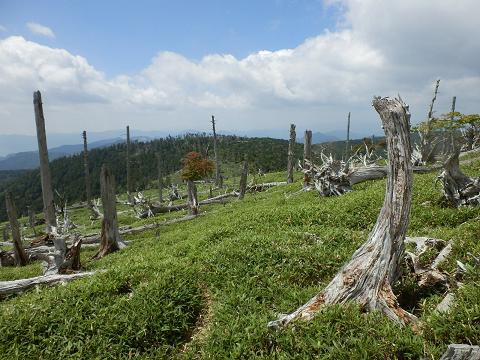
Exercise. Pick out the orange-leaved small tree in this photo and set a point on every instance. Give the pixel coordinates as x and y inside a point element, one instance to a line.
<point>195,168</point>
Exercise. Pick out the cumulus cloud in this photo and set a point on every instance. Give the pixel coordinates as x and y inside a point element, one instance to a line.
<point>39,29</point>
<point>378,48</point>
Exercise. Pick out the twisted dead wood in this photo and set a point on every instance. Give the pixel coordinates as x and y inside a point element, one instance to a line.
<point>368,277</point>
<point>458,188</point>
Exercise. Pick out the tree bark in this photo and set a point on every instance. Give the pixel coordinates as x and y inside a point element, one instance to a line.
<point>192,197</point>
<point>368,277</point>
<point>291,150</point>
<point>45,176</point>
<point>21,258</point>
<point>218,175</point>
<point>307,154</point>
<point>243,179</point>
<point>110,237</point>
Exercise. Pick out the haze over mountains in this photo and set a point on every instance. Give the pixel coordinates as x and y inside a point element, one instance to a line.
<point>20,151</point>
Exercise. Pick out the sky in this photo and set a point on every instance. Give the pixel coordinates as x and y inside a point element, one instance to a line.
<point>170,65</point>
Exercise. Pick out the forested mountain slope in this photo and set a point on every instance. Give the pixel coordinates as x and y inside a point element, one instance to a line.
<point>266,154</point>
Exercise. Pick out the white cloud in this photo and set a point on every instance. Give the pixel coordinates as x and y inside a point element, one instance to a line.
<point>379,48</point>
<point>39,29</point>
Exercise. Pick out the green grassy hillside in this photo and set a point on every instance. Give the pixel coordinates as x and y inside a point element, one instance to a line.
<point>207,288</point>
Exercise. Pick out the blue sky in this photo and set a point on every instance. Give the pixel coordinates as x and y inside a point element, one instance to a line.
<point>256,65</point>
<point>122,36</point>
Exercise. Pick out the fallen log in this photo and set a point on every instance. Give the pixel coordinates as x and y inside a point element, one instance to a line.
<point>18,286</point>
<point>163,209</point>
<point>95,238</point>
<point>368,277</point>
<point>461,352</point>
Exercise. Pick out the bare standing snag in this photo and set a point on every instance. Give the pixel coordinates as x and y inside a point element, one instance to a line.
<point>45,176</point>
<point>368,277</point>
<point>110,240</point>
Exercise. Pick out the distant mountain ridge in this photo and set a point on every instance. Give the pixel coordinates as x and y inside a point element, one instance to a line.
<point>29,159</point>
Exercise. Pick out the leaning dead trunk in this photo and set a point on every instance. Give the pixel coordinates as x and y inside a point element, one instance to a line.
<point>458,188</point>
<point>291,147</point>
<point>368,277</point>
<point>45,176</point>
<point>192,197</point>
<point>110,237</point>
<point>21,258</point>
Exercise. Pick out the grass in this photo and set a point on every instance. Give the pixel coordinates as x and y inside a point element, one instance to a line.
<point>243,263</point>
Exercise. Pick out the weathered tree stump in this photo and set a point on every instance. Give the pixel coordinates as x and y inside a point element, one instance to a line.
<point>291,150</point>
<point>21,258</point>
<point>368,277</point>
<point>192,197</point>
<point>45,176</point>
<point>458,188</point>
<point>110,237</point>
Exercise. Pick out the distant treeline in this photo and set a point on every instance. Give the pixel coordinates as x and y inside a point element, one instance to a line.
<point>67,173</point>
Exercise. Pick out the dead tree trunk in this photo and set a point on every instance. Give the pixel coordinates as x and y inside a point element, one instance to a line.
<point>192,197</point>
<point>45,177</point>
<point>307,154</point>
<point>291,150</point>
<point>426,139</point>
<point>347,145</point>
<point>243,179</point>
<point>86,169</point>
<point>160,178</point>
<point>110,237</point>
<point>21,258</point>
<point>218,176</point>
<point>129,182</point>
<point>458,188</point>
<point>368,277</point>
